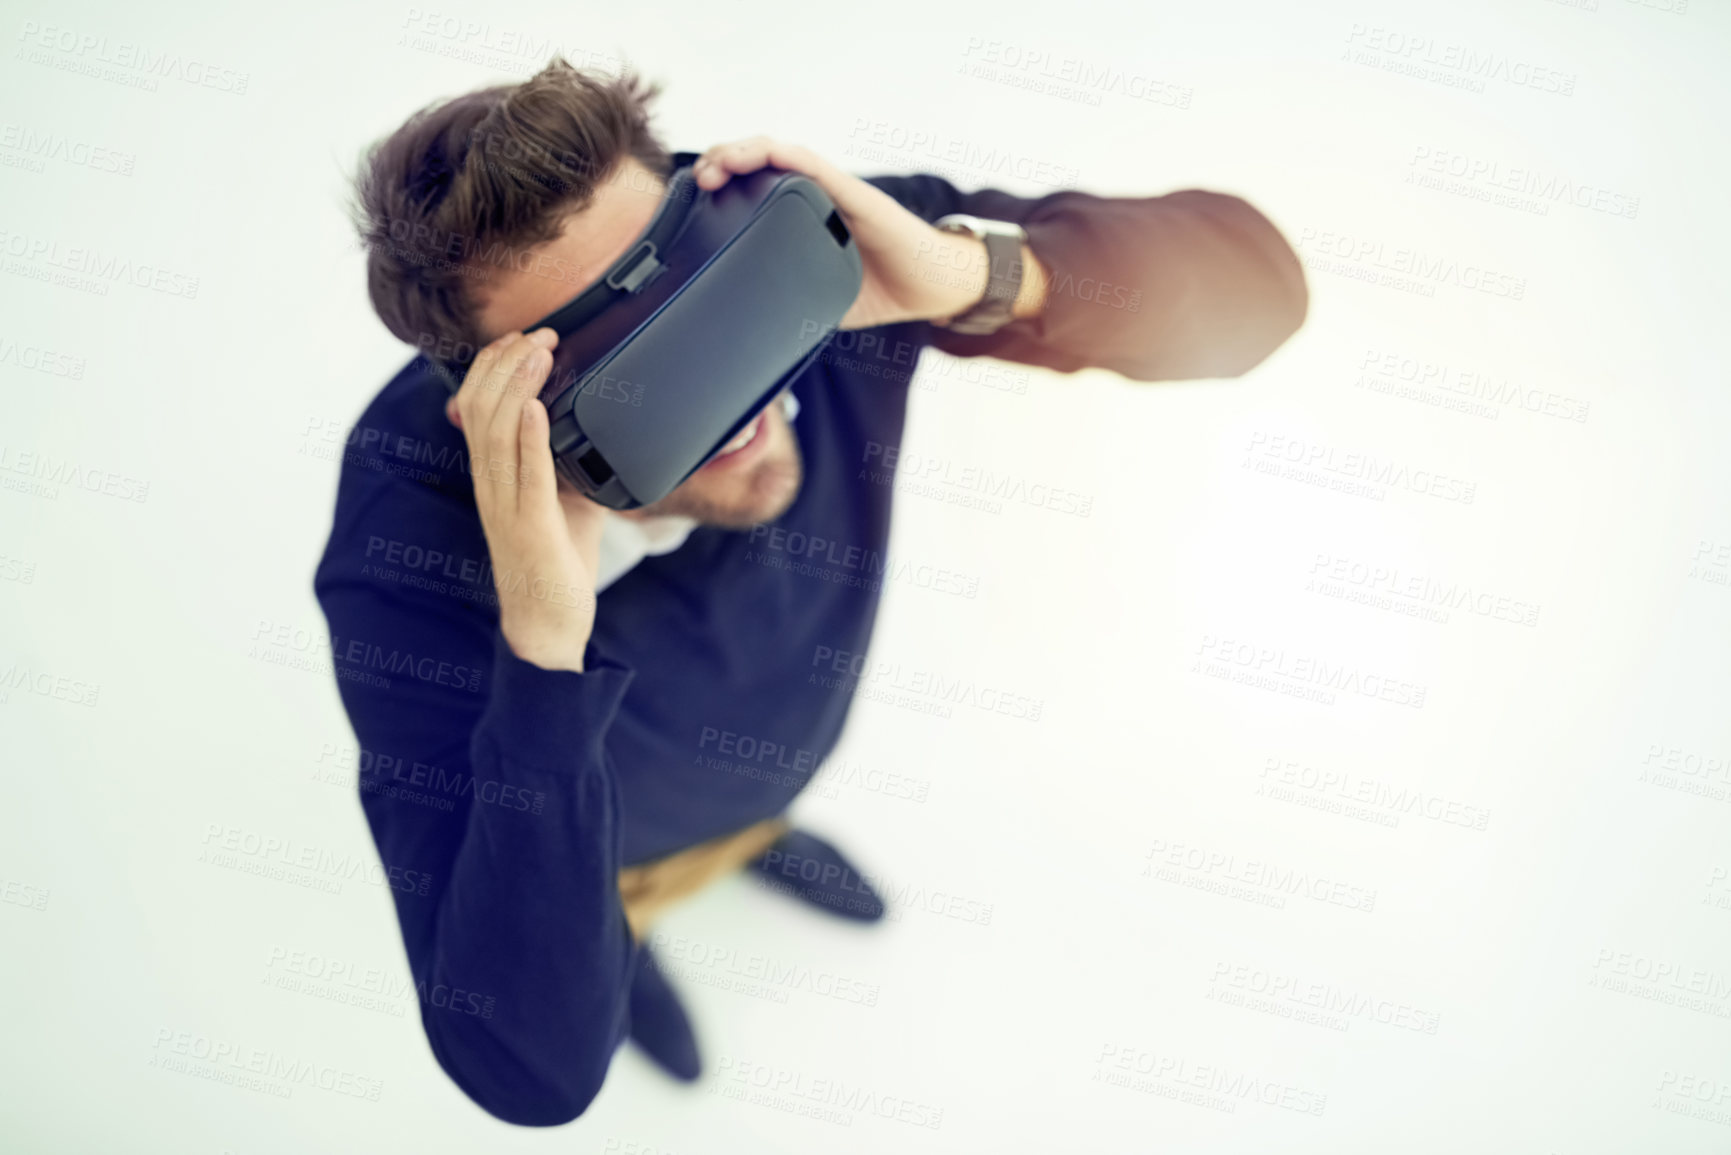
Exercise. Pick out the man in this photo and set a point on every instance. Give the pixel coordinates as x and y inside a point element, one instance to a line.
<point>540,686</point>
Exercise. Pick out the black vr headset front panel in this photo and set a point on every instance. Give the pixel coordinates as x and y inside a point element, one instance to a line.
<point>714,355</point>
<point>704,330</point>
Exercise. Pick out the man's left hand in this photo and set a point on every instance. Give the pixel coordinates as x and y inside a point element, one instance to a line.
<point>913,272</point>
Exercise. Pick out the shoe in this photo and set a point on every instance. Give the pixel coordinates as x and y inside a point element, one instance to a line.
<point>659,1024</point>
<point>811,869</point>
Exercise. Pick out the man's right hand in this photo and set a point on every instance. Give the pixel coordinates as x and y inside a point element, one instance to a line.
<point>543,550</point>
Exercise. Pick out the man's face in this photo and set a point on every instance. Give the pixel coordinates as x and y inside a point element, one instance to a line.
<point>752,482</point>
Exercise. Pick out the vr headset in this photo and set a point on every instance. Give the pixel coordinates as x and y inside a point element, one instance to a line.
<point>715,308</point>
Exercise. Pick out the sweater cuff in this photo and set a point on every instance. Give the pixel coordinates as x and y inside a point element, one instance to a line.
<point>553,720</point>
<point>1069,332</point>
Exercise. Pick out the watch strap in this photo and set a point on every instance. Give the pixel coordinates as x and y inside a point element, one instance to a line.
<point>995,308</point>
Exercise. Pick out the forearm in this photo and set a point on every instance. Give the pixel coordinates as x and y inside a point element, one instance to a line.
<point>531,916</point>
<point>1189,284</point>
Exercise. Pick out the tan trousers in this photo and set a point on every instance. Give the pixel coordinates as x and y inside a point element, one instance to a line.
<point>650,888</point>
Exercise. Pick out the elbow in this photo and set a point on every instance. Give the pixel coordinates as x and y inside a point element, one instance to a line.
<point>1276,301</point>
<point>1263,298</point>
<point>1282,316</point>
<point>546,1104</point>
<point>1260,325</point>
<point>1232,313</point>
<point>523,1094</point>
<point>1294,306</point>
<point>549,1112</point>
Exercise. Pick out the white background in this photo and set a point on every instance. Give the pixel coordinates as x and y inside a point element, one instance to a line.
<point>1574,955</point>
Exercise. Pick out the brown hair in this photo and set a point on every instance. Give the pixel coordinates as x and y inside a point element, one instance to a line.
<point>476,180</point>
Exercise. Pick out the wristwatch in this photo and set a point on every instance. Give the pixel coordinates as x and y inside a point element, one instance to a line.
<point>1004,280</point>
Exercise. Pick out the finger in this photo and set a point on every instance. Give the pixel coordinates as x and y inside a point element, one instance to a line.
<point>504,427</point>
<point>486,388</point>
<point>538,487</point>
<point>459,400</point>
<point>716,165</point>
<point>853,196</point>
<point>475,398</point>
<point>496,385</point>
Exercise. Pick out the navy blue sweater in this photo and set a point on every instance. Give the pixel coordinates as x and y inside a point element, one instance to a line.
<point>504,798</point>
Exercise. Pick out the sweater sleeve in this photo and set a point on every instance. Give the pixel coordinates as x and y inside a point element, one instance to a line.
<point>1186,285</point>
<point>491,797</point>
